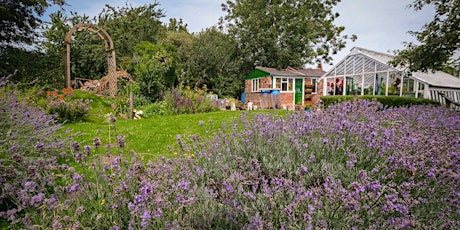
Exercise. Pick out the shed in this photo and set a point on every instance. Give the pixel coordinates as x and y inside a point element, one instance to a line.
<point>367,72</point>
<point>272,88</point>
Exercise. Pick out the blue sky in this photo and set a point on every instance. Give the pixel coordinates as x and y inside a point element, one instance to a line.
<point>380,25</point>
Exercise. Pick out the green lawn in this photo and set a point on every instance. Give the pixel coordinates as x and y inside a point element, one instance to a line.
<point>152,137</point>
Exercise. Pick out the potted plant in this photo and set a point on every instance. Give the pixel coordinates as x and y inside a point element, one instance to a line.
<point>309,107</point>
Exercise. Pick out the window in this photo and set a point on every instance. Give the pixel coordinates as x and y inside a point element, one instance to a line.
<point>285,84</point>
<point>255,85</point>
<point>314,82</point>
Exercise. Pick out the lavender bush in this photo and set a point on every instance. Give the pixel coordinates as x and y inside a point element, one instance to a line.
<point>69,111</point>
<point>355,165</point>
<point>29,153</point>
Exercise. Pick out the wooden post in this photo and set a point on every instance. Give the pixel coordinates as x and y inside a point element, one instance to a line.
<point>131,104</point>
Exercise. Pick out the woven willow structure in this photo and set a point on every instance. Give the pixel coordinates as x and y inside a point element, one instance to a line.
<point>109,48</point>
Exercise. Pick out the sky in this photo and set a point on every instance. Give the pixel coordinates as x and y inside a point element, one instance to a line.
<point>380,25</point>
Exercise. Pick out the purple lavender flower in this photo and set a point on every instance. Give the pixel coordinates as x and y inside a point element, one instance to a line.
<point>121,141</point>
<point>112,118</point>
<point>97,142</point>
<point>158,213</point>
<point>39,145</point>
<point>80,210</point>
<point>87,149</point>
<point>75,146</point>
<point>183,184</point>
<point>145,219</point>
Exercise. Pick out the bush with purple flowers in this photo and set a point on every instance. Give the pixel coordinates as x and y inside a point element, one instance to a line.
<point>29,153</point>
<point>354,165</point>
<point>69,111</point>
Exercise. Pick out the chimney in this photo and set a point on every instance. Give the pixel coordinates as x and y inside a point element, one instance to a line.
<point>320,66</point>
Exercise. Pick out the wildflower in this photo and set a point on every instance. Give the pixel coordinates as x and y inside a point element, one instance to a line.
<point>39,145</point>
<point>112,118</point>
<point>80,210</point>
<point>121,141</point>
<point>75,146</point>
<point>97,142</point>
<point>103,202</point>
<point>145,219</point>
<point>183,184</point>
<point>158,213</point>
<point>87,149</point>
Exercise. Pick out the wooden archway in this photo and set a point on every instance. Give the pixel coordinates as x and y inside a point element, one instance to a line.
<point>109,48</point>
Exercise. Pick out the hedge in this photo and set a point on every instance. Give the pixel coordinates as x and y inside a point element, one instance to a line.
<point>391,101</point>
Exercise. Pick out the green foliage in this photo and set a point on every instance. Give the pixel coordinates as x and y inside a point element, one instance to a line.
<point>98,108</point>
<point>284,33</point>
<point>19,19</point>
<point>221,77</point>
<point>186,101</point>
<point>69,111</point>
<point>129,26</point>
<point>155,109</point>
<point>19,61</point>
<point>391,101</point>
<point>438,40</point>
<point>153,68</point>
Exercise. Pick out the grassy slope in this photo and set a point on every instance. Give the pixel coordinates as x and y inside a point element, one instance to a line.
<point>151,137</point>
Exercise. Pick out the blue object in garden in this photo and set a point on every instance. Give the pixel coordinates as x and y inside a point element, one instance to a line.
<point>243,98</point>
<point>275,91</point>
<point>265,91</point>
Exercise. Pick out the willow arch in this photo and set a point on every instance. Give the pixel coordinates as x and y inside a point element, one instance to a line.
<point>109,49</point>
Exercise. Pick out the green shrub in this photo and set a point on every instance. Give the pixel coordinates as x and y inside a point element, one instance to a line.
<point>155,109</point>
<point>390,101</point>
<point>186,101</point>
<point>75,110</point>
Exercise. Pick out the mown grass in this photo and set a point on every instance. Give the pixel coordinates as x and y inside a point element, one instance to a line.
<point>151,137</point>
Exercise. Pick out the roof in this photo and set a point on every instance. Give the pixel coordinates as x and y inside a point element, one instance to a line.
<point>260,71</point>
<point>438,78</point>
<point>309,72</point>
<point>378,56</point>
<point>276,72</point>
<point>432,78</point>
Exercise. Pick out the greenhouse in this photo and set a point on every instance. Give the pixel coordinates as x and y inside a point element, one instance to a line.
<point>367,72</point>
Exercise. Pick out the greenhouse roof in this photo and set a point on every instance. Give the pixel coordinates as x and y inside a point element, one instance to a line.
<point>363,61</point>
<point>438,78</point>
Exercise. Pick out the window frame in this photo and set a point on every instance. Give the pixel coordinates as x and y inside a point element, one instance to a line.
<point>315,85</point>
<point>288,81</point>
<point>255,85</point>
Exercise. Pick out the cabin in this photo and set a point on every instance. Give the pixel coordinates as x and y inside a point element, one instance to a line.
<point>290,88</point>
<point>367,72</point>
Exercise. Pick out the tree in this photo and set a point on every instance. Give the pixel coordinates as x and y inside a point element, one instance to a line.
<point>213,59</point>
<point>88,56</point>
<point>153,68</point>
<point>128,26</point>
<point>439,40</point>
<point>281,33</point>
<point>20,19</point>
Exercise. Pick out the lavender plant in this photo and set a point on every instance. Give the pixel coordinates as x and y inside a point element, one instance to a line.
<point>356,165</point>
<point>29,153</point>
<point>69,111</point>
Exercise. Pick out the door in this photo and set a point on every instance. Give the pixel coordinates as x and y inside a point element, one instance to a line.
<point>298,91</point>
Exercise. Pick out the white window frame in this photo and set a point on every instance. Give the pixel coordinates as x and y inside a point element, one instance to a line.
<point>289,81</point>
<point>255,85</point>
<point>315,85</point>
